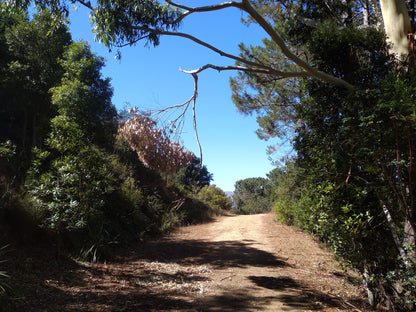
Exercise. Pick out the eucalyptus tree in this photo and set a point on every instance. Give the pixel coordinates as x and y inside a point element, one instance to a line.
<point>354,149</point>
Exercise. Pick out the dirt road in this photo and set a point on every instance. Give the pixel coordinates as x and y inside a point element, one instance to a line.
<point>258,265</point>
<point>235,263</point>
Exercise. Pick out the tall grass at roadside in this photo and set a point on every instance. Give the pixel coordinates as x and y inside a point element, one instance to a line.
<point>3,274</point>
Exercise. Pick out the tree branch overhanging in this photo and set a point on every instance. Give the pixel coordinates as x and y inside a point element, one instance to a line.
<point>208,8</point>
<point>249,9</point>
<point>271,72</point>
<point>242,64</point>
<point>178,122</point>
<point>245,6</point>
<point>206,45</point>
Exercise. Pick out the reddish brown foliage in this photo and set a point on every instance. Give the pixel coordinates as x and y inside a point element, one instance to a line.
<point>153,145</point>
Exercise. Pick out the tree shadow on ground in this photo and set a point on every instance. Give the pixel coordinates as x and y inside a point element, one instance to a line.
<point>295,295</point>
<point>285,299</point>
<point>218,255</point>
<point>129,285</point>
<point>230,301</point>
<point>274,283</point>
<point>43,284</point>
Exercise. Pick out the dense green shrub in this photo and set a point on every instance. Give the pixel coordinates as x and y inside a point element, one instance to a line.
<point>252,195</point>
<point>355,153</point>
<point>194,211</point>
<point>215,198</point>
<point>192,177</point>
<point>73,190</point>
<point>64,173</point>
<point>286,193</point>
<point>113,207</point>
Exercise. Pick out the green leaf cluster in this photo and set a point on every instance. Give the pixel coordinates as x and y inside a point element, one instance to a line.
<point>354,159</point>
<point>193,177</point>
<point>60,159</point>
<point>121,22</point>
<point>215,198</point>
<point>351,182</point>
<point>29,67</point>
<point>252,195</point>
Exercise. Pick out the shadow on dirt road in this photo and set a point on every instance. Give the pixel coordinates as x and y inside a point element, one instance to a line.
<point>219,255</point>
<point>178,273</point>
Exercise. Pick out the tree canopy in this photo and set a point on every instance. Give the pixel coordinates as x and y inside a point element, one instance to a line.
<point>252,195</point>
<point>62,165</point>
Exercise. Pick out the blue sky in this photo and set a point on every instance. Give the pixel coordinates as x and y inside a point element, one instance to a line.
<point>148,77</point>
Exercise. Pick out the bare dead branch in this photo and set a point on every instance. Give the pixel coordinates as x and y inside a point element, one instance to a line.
<point>204,44</point>
<point>271,71</point>
<point>248,8</point>
<point>249,66</point>
<point>195,76</point>
<point>178,122</point>
<point>176,125</point>
<point>208,8</point>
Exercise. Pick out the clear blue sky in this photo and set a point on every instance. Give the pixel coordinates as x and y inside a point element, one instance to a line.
<point>148,77</point>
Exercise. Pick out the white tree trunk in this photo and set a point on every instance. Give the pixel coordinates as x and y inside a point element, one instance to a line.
<point>397,26</point>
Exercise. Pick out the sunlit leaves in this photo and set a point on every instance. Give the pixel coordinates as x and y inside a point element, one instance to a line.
<point>35,46</point>
<point>72,190</point>
<point>273,100</point>
<point>84,96</point>
<point>252,195</point>
<point>70,182</point>
<point>29,51</point>
<point>355,154</point>
<point>215,198</point>
<point>66,135</point>
<point>125,22</point>
<point>153,145</point>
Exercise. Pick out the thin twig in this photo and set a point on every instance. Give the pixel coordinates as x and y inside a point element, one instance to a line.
<point>229,276</point>
<point>195,76</point>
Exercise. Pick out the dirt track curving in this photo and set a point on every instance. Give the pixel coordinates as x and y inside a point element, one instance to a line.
<point>234,263</point>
